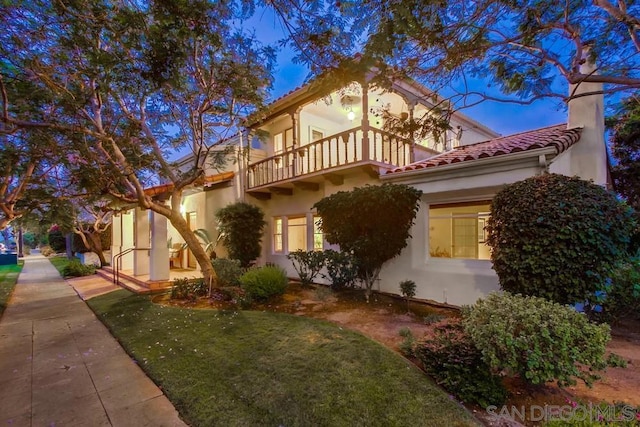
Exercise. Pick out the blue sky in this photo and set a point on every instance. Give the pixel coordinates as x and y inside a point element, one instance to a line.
<point>504,118</point>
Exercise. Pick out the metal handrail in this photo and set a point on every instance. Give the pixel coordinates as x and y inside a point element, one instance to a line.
<point>117,260</point>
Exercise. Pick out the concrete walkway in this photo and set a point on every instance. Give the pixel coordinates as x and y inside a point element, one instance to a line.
<point>59,366</point>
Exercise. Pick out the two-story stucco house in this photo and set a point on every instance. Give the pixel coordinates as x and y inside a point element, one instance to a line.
<point>312,144</point>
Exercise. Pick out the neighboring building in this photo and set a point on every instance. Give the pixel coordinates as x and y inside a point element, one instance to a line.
<point>314,144</point>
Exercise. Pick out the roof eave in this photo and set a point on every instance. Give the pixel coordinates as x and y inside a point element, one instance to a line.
<point>548,152</point>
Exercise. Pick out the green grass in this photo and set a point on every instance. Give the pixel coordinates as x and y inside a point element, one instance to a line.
<point>60,262</point>
<point>8,279</point>
<point>223,368</point>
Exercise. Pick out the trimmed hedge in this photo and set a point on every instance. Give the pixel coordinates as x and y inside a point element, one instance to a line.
<point>557,237</point>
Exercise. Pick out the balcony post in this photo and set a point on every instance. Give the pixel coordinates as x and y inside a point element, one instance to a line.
<point>412,150</point>
<point>295,124</point>
<point>365,121</point>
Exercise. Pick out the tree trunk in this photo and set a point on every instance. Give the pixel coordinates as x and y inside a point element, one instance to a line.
<point>95,244</point>
<point>209,274</point>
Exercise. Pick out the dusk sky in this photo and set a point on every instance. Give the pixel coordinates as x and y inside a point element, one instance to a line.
<point>504,118</point>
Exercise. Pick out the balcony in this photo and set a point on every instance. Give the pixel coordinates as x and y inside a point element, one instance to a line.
<point>328,156</point>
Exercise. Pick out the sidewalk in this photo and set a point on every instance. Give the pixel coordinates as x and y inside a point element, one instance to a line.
<point>59,366</point>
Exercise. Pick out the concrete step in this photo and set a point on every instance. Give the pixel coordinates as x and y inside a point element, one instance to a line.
<point>132,285</point>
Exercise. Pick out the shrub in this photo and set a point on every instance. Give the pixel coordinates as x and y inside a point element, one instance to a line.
<point>363,224</point>
<point>241,226</point>
<point>341,269</point>
<point>307,264</point>
<point>456,364</point>
<point>57,241</point>
<point>537,339</point>
<point>408,343</point>
<point>557,237</point>
<point>77,269</point>
<point>188,289</point>
<point>264,282</point>
<point>46,250</point>
<point>622,295</point>
<point>408,290</point>
<point>228,271</point>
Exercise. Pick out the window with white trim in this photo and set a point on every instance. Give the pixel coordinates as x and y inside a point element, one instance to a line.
<point>458,230</point>
<point>277,235</point>
<point>296,234</point>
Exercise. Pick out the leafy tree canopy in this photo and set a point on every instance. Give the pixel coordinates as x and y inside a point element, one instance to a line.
<point>530,49</point>
<point>126,85</point>
<point>625,147</point>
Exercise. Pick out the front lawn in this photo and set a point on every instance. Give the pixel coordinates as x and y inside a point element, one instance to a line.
<point>256,368</point>
<point>59,262</point>
<point>8,279</point>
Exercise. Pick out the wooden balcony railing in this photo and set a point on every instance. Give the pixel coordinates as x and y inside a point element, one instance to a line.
<point>334,151</point>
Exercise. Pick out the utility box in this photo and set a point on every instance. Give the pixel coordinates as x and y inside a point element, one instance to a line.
<point>8,258</point>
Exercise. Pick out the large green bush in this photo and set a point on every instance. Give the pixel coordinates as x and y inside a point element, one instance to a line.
<point>263,283</point>
<point>57,240</point>
<point>557,237</point>
<point>455,363</point>
<point>241,226</point>
<point>621,297</point>
<point>372,223</point>
<point>537,339</point>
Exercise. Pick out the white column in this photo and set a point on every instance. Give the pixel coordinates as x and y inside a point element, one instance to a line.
<point>159,257</point>
<point>141,258</point>
<point>116,235</point>
<point>127,239</point>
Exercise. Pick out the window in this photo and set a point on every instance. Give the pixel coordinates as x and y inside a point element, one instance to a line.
<point>283,141</point>
<point>297,234</point>
<point>315,134</point>
<point>318,237</point>
<point>457,230</point>
<point>277,235</point>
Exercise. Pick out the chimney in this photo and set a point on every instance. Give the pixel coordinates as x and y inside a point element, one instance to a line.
<point>588,156</point>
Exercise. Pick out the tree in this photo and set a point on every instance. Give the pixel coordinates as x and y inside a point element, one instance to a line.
<point>241,225</point>
<point>531,49</point>
<point>372,223</point>
<point>91,222</point>
<point>128,84</point>
<point>625,147</point>
<point>557,237</point>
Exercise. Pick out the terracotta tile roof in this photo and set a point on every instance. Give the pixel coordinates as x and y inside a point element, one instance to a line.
<point>557,136</point>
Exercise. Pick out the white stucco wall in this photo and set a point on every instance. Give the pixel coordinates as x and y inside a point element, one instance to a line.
<point>300,203</point>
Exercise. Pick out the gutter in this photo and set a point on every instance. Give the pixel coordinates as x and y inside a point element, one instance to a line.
<point>471,164</point>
